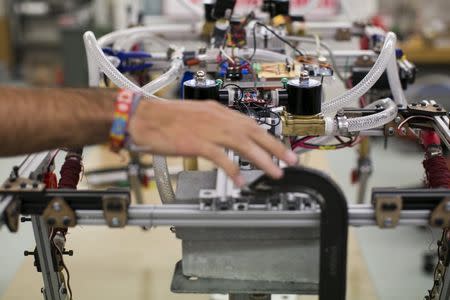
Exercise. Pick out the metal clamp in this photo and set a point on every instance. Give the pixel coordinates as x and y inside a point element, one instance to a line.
<point>387,211</point>
<point>428,108</point>
<point>115,210</point>
<point>342,124</point>
<point>11,215</point>
<point>440,216</point>
<point>59,214</point>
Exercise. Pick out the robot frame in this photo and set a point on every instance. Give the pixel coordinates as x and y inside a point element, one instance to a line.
<point>256,66</point>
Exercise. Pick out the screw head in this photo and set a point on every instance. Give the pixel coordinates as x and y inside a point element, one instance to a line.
<point>439,222</point>
<point>397,119</point>
<point>391,131</point>
<point>66,221</point>
<point>56,206</point>
<point>51,221</point>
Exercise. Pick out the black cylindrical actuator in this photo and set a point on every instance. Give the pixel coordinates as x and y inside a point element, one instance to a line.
<point>304,96</point>
<point>281,7</point>
<point>200,88</point>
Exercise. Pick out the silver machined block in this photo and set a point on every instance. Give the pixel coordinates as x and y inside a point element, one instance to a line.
<point>260,254</point>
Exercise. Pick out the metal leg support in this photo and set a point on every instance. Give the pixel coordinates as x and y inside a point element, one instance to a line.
<point>54,288</point>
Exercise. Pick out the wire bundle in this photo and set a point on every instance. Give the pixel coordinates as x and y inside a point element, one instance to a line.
<point>437,173</point>
<point>258,109</point>
<point>70,173</point>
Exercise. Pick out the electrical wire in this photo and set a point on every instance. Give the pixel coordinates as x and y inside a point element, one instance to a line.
<point>405,121</point>
<point>226,55</point>
<point>281,38</point>
<point>293,47</point>
<point>302,143</point>
<point>312,40</point>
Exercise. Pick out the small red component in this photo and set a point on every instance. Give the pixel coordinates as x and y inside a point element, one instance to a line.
<point>50,180</point>
<point>430,138</point>
<point>354,176</point>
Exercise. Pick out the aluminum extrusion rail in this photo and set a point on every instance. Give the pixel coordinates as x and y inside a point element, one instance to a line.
<point>190,215</point>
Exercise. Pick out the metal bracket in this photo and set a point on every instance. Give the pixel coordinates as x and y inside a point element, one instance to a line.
<point>59,214</point>
<point>427,108</point>
<point>387,211</point>
<point>440,216</point>
<point>343,34</point>
<point>16,186</point>
<point>115,210</point>
<point>21,185</point>
<point>210,200</point>
<point>11,215</point>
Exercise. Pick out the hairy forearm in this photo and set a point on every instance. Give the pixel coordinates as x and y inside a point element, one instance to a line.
<point>38,119</point>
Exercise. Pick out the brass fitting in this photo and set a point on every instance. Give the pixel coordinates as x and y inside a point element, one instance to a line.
<point>302,125</point>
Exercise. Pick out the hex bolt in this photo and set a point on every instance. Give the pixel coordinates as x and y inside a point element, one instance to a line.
<point>56,206</point>
<point>439,222</point>
<point>66,221</point>
<point>115,222</point>
<point>51,221</point>
<point>25,219</point>
<point>397,119</point>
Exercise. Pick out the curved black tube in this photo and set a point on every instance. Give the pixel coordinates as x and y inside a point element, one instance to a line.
<point>333,228</point>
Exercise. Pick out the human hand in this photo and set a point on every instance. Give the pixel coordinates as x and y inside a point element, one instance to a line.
<point>193,128</point>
